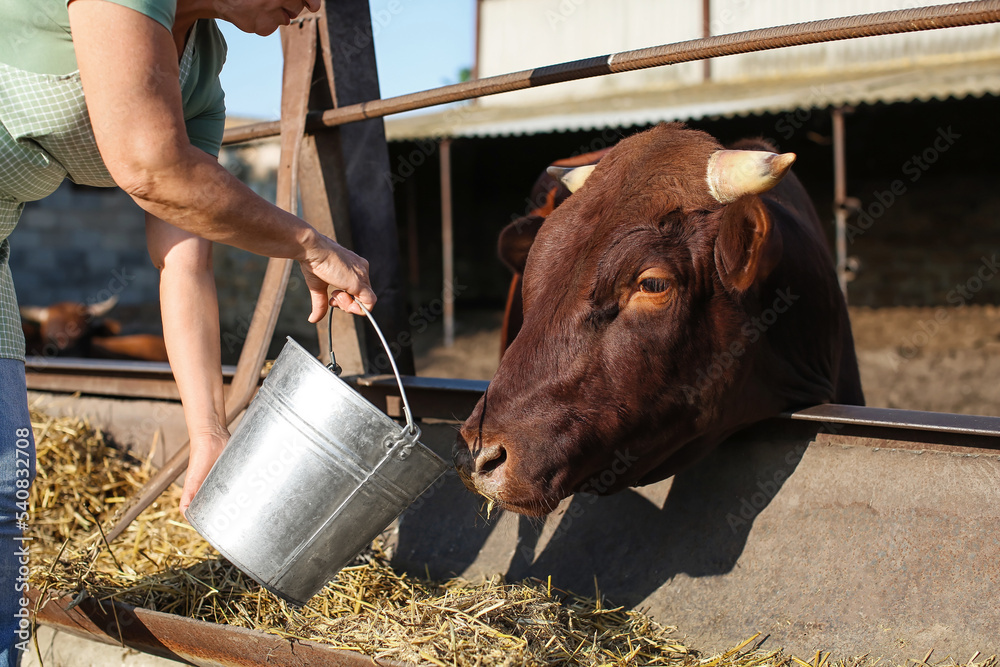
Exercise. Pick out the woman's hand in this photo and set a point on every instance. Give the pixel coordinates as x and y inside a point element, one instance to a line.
<point>327,263</point>
<point>205,449</point>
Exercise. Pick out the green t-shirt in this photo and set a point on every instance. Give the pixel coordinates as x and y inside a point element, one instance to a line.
<point>35,37</point>
<point>45,130</point>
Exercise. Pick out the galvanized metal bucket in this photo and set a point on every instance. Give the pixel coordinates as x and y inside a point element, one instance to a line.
<point>312,474</point>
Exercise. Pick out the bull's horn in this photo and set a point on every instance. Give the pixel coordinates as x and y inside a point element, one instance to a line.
<point>572,177</point>
<point>101,308</point>
<point>732,174</point>
<point>34,314</point>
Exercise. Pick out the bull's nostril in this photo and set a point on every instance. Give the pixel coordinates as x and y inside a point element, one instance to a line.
<point>489,459</point>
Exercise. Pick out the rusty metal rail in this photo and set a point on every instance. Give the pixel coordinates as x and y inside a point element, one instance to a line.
<point>797,34</point>
<point>129,379</point>
<point>187,640</point>
<point>440,398</point>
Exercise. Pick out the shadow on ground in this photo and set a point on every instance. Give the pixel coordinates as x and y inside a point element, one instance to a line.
<point>633,542</point>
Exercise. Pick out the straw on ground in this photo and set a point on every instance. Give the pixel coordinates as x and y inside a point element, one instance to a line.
<point>161,563</point>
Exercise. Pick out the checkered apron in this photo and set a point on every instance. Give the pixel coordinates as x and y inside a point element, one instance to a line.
<point>45,136</point>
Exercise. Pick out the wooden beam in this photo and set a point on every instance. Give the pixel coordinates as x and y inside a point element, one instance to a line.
<point>840,198</point>
<point>447,244</point>
<point>323,187</point>
<point>413,233</point>
<point>368,175</point>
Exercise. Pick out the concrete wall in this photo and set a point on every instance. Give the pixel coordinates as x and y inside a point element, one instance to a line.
<point>82,244</point>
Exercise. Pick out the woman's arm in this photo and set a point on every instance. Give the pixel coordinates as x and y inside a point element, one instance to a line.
<point>128,66</point>
<point>190,311</point>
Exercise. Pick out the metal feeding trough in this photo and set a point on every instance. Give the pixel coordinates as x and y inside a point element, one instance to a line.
<point>187,640</point>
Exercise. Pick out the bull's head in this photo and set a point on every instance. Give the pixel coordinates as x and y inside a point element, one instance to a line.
<point>62,327</point>
<point>632,287</point>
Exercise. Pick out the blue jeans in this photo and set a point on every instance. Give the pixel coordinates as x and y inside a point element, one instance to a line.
<point>17,471</point>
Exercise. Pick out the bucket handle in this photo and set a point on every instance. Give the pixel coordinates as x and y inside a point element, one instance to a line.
<point>411,428</point>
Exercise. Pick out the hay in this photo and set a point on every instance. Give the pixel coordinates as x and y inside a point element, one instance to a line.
<point>161,563</point>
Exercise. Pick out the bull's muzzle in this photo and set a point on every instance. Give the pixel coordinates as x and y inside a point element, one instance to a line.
<point>480,467</point>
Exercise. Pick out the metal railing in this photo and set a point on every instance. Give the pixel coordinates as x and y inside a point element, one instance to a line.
<point>797,34</point>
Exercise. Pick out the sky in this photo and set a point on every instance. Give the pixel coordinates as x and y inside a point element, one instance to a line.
<point>419,44</point>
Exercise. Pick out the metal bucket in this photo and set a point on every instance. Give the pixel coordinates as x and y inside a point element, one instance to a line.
<point>312,474</point>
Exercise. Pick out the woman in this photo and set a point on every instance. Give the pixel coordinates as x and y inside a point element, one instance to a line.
<point>151,123</point>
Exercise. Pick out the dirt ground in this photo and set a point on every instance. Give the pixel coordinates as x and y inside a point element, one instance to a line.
<point>935,359</point>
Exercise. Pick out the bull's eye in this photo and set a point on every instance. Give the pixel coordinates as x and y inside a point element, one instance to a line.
<point>654,285</point>
<point>653,288</point>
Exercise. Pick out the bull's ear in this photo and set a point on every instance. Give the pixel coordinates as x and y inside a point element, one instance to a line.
<point>516,239</point>
<point>748,247</point>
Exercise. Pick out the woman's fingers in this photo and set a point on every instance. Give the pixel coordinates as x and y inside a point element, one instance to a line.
<point>319,299</point>
<point>346,302</point>
<point>367,297</point>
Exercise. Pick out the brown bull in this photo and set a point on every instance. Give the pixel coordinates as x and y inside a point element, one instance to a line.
<point>70,329</point>
<point>680,294</point>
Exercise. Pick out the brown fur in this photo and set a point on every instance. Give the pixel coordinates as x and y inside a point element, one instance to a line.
<point>516,238</point>
<point>604,377</point>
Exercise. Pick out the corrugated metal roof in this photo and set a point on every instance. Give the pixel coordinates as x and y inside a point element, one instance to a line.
<point>942,78</point>
<point>520,34</point>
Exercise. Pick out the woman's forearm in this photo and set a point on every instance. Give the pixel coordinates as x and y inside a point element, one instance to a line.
<point>191,333</point>
<point>196,194</point>
<point>190,313</point>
